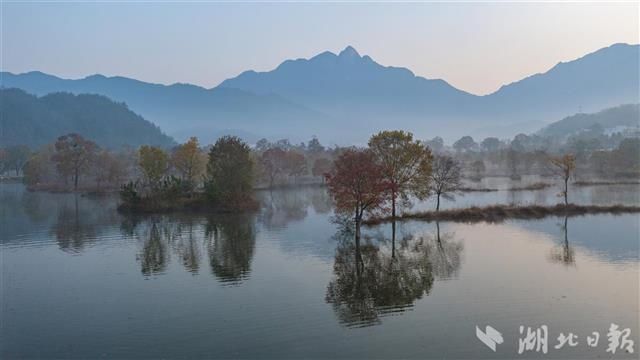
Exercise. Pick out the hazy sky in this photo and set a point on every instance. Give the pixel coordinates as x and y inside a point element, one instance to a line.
<point>475,47</point>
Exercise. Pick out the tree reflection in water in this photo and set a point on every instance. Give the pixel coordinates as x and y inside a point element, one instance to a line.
<point>188,246</point>
<point>154,256</point>
<point>280,207</point>
<point>564,254</point>
<point>443,252</point>
<point>80,222</point>
<point>381,284</point>
<point>230,242</point>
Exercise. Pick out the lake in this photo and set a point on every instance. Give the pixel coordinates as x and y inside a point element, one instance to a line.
<point>80,280</point>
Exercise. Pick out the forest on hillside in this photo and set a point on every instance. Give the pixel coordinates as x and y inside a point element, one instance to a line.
<point>36,121</point>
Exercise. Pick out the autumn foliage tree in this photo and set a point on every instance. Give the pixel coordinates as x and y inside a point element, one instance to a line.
<point>276,162</point>
<point>73,155</point>
<point>296,164</point>
<point>109,169</point>
<point>153,163</point>
<point>321,166</point>
<point>273,162</point>
<point>189,161</point>
<point>406,165</point>
<point>565,166</point>
<point>357,185</point>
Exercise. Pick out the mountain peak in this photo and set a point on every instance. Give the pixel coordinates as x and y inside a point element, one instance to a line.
<point>349,52</point>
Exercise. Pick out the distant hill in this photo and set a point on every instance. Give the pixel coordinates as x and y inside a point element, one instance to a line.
<point>184,110</point>
<point>605,78</point>
<point>348,83</point>
<point>609,120</point>
<point>343,98</point>
<point>35,121</point>
<point>359,89</point>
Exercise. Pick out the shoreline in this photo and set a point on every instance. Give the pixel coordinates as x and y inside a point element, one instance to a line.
<point>500,213</point>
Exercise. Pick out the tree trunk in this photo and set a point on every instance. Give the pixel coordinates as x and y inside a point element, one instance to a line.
<point>393,224</point>
<point>566,235</point>
<point>566,191</point>
<point>393,205</point>
<point>358,220</point>
<point>75,180</point>
<point>438,202</point>
<point>393,238</point>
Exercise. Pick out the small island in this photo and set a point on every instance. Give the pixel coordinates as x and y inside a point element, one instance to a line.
<point>226,179</point>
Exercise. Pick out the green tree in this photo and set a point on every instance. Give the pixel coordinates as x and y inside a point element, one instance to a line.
<point>490,144</point>
<point>465,143</point>
<point>230,172</point>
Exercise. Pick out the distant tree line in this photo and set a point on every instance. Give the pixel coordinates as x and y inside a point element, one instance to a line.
<point>227,171</point>
<point>605,156</point>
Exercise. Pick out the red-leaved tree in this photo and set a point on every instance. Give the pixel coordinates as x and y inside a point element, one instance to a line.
<point>356,185</point>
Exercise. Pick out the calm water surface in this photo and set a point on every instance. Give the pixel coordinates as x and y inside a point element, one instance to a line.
<point>81,281</point>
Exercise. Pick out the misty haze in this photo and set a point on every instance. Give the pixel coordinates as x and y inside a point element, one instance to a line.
<point>319,180</point>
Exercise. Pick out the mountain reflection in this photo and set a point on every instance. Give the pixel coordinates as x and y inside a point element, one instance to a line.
<point>370,282</point>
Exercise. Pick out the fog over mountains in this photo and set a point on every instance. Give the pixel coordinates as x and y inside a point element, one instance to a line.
<point>343,98</point>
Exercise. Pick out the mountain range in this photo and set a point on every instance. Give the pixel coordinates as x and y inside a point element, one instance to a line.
<point>343,98</point>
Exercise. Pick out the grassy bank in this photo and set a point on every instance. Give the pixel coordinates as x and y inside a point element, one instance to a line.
<point>499,213</point>
<point>198,203</point>
<point>596,183</point>
<point>534,186</point>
